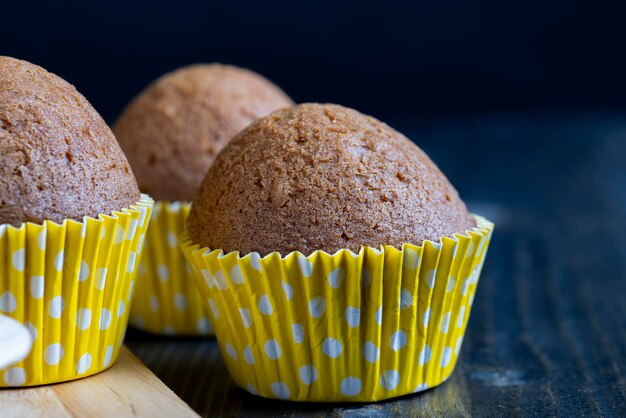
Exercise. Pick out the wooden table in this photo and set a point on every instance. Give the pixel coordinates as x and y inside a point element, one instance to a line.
<point>547,334</point>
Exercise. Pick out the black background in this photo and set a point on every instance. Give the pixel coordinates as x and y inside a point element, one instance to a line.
<point>413,58</point>
<point>521,104</point>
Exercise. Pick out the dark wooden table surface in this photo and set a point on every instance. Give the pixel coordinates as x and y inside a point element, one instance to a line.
<point>547,334</point>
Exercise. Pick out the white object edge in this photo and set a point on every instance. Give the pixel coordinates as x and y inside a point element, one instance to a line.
<point>15,341</point>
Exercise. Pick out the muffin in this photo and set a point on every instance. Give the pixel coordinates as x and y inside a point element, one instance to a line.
<point>58,158</point>
<point>337,262</point>
<point>323,177</point>
<point>71,224</point>
<point>171,133</point>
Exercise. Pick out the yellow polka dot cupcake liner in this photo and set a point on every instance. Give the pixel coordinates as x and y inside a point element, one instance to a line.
<point>71,286</point>
<point>167,300</point>
<point>343,327</point>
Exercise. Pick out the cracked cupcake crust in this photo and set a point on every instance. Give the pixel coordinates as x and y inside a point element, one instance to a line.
<point>58,159</point>
<point>174,129</point>
<point>323,177</point>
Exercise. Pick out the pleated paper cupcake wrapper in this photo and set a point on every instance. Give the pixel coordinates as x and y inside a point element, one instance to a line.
<point>71,286</point>
<point>166,297</point>
<point>344,327</point>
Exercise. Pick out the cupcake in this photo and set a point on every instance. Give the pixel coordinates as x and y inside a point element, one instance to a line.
<point>337,261</point>
<point>171,134</point>
<point>71,225</point>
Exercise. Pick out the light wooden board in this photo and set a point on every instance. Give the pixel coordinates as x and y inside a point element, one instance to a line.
<point>128,389</point>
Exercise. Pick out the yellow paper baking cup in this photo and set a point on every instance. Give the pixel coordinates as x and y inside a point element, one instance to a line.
<point>344,327</point>
<point>71,286</point>
<point>166,297</point>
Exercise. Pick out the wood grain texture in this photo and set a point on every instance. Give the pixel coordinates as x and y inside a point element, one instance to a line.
<point>547,333</point>
<point>128,389</point>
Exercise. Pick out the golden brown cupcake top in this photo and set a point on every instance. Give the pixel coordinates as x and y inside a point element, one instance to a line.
<point>323,177</point>
<point>174,129</point>
<point>58,159</point>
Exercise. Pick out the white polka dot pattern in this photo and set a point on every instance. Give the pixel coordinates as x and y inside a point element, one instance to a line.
<point>446,357</point>
<point>214,310</point>
<point>18,259</point>
<point>37,286</point>
<point>163,272</point>
<point>121,308</point>
<point>55,309</point>
<point>451,283</point>
<point>180,301</point>
<point>235,275</point>
<point>84,363</point>
<point>445,323</point>
<point>379,315</point>
<point>420,388</point>
<point>406,299</point>
<point>8,303</point>
<point>230,350</point>
<point>203,326</point>
<point>101,278</point>
<point>154,303</point>
<point>53,354</point>
<point>371,352</point>
<point>248,356</point>
<point>253,390</point>
<point>172,240</point>
<point>119,234</point>
<point>457,346</point>
<point>336,278</point>
<point>353,316</point>
<point>108,356</point>
<point>430,278</point>
<point>298,333</point>
<point>398,340</point>
<point>411,259</point>
<point>306,267</point>
<point>332,347</point>
<point>246,317</point>
<point>351,386</point>
<point>281,390</point>
<point>304,329</point>
<point>219,279</point>
<point>390,379</point>
<point>58,260</point>
<point>272,349</point>
<point>65,300</point>
<point>15,376</point>
<point>317,306</point>
<point>308,374</point>
<point>105,319</point>
<point>461,318</point>
<point>287,289</point>
<point>132,261</point>
<point>84,272</point>
<point>41,237</point>
<point>265,306</point>
<point>426,317</point>
<point>83,319</point>
<point>424,356</point>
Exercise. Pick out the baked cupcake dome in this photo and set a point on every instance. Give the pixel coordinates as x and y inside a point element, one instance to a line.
<point>58,159</point>
<point>323,177</point>
<point>174,129</point>
<point>78,227</point>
